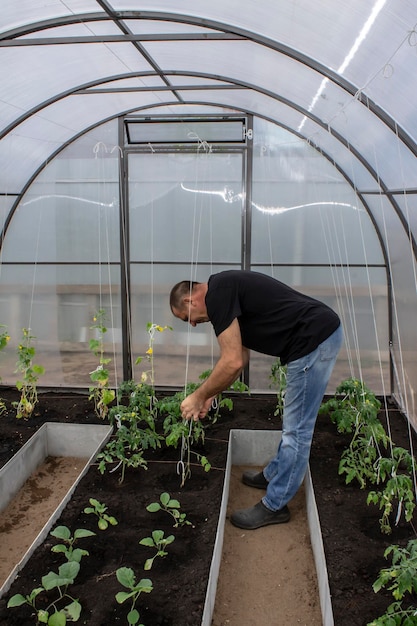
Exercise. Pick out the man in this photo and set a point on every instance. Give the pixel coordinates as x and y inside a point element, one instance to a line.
<point>249,310</point>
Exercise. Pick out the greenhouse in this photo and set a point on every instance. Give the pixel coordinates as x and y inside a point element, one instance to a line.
<point>146,143</point>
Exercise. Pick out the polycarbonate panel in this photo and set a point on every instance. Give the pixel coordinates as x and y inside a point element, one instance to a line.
<point>58,304</point>
<point>6,203</point>
<point>185,207</point>
<point>22,153</point>
<point>361,177</point>
<point>408,206</point>
<point>242,61</point>
<point>303,210</point>
<point>261,104</point>
<point>324,30</point>
<point>183,352</point>
<point>390,158</point>
<point>56,69</point>
<point>360,297</point>
<point>15,14</point>
<point>404,302</point>
<point>71,212</point>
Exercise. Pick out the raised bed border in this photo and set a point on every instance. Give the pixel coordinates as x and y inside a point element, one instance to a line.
<point>52,439</point>
<point>257,447</point>
<point>246,447</point>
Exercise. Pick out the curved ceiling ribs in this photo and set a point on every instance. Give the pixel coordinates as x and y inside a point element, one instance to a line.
<point>218,30</point>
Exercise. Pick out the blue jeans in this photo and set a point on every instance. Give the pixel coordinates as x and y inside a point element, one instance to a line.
<point>307,380</point>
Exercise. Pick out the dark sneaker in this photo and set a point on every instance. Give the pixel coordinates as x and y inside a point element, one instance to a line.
<point>254,479</point>
<point>259,515</point>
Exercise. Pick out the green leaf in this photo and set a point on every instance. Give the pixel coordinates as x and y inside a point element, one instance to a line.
<point>122,596</point>
<point>157,535</point>
<point>43,616</point>
<point>16,600</point>
<point>66,575</point>
<point>83,532</point>
<point>126,577</point>
<point>57,619</point>
<point>153,507</point>
<point>147,541</point>
<point>103,524</point>
<point>164,498</point>
<point>133,617</point>
<point>73,610</point>
<point>61,532</point>
<point>77,555</point>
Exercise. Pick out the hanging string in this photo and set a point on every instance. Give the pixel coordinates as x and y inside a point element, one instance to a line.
<point>103,205</point>
<point>404,399</point>
<point>201,145</point>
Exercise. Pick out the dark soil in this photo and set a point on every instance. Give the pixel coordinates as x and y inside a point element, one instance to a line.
<point>354,545</point>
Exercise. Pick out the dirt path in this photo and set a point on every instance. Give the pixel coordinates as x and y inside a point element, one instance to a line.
<point>267,576</point>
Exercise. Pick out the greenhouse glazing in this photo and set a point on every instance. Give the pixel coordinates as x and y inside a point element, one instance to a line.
<point>142,143</point>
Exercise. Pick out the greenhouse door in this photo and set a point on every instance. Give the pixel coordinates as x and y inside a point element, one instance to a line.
<point>186,220</point>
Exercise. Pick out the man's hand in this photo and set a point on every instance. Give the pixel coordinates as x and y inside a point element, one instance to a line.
<point>194,407</point>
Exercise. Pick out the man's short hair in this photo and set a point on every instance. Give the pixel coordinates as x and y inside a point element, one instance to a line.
<point>180,291</point>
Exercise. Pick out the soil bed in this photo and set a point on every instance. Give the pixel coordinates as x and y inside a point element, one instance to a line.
<point>353,542</point>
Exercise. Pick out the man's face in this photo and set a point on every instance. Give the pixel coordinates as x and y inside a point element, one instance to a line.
<point>194,311</point>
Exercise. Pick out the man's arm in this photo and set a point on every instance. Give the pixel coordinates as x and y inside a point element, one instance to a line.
<point>233,358</point>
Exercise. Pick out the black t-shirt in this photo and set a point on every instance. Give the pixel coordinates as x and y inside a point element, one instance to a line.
<point>274,319</point>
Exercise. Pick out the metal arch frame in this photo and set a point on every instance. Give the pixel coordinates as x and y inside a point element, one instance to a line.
<point>119,16</point>
<point>229,32</point>
<point>228,83</point>
<point>252,114</point>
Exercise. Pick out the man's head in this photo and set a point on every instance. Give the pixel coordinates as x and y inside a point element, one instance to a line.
<point>187,302</point>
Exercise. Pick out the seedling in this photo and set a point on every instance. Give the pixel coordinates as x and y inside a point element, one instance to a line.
<point>127,578</point>
<point>278,378</point>
<point>29,374</point>
<point>67,548</point>
<point>4,340</point>
<point>100,392</point>
<point>52,615</point>
<point>159,542</point>
<point>401,579</point>
<point>171,506</point>
<point>135,430</point>
<point>99,509</point>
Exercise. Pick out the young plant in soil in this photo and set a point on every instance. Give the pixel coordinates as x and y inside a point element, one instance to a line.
<point>55,614</point>
<point>4,340</point>
<point>127,578</point>
<point>170,506</point>
<point>278,378</point>
<point>29,375</point>
<point>135,431</point>
<point>354,410</point>
<point>401,579</point>
<point>99,509</point>
<point>159,543</point>
<point>100,392</point>
<point>52,615</point>
<point>67,548</point>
